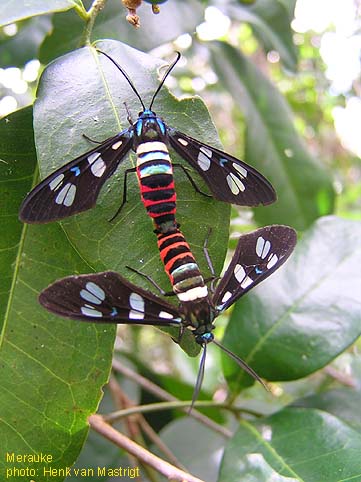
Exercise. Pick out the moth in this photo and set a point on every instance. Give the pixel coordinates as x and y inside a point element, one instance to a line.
<point>108,297</point>
<point>75,187</point>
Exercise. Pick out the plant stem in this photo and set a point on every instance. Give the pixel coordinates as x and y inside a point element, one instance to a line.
<point>172,473</point>
<point>163,394</point>
<point>90,17</point>
<point>156,407</point>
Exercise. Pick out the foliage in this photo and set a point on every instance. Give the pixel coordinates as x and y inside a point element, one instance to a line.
<point>299,330</point>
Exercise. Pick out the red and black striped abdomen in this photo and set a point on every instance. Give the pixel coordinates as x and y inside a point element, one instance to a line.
<point>155,176</point>
<point>181,267</point>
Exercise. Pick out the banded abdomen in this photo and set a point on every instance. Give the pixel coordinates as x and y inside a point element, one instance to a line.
<point>156,182</point>
<point>181,267</point>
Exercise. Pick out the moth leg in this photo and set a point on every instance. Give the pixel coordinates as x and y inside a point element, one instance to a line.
<point>92,140</point>
<point>179,338</point>
<point>127,171</point>
<point>129,115</point>
<point>154,283</point>
<point>191,180</point>
<point>213,278</point>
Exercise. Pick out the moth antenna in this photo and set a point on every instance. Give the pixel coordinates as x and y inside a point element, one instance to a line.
<point>200,377</point>
<point>242,364</point>
<point>170,68</point>
<point>125,75</point>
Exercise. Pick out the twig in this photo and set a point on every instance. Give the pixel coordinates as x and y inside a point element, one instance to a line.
<point>132,424</point>
<point>164,395</point>
<point>340,377</point>
<point>98,424</point>
<point>144,425</point>
<point>156,407</point>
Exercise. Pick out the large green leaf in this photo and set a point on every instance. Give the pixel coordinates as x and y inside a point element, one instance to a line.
<point>307,313</point>
<point>82,93</point>
<point>293,445</point>
<point>17,164</point>
<point>51,370</point>
<point>303,187</point>
<point>13,10</point>
<point>342,402</point>
<point>17,50</point>
<point>271,24</point>
<point>175,18</point>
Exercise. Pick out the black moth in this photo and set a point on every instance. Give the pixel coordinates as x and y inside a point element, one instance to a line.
<point>75,187</point>
<point>109,298</point>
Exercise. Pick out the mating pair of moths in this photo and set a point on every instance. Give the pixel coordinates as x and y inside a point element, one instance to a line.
<point>108,297</point>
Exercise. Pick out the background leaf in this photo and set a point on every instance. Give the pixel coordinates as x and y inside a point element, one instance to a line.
<point>17,50</point>
<point>51,370</point>
<point>13,10</point>
<point>304,316</point>
<point>300,444</point>
<point>174,19</point>
<point>342,402</point>
<point>303,187</point>
<point>270,21</point>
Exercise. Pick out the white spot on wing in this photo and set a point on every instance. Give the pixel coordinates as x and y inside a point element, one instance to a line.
<point>246,282</point>
<point>240,169</point>
<point>117,145</point>
<point>137,304</point>
<point>88,310</point>
<point>93,293</point>
<point>96,290</point>
<point>183,141</point>
<point>97,164</point>
<point>239,273</point>
<point>262,247</point>
<point>165,314</point>
<point>226,296</point>
<point>56,182</point>
<point>204,158</point>
<point>235,184</point>
<point>66,195</point>
<point>241,277</point>
<point>272,260</point>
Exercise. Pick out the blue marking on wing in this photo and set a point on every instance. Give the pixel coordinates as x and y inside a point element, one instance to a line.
<point>76,170</point>
<point>114,312</point>
<point>258,270</point>
<point>223,161</point>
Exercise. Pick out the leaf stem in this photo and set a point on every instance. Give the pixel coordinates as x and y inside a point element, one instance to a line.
<point>89,16</point>
<point>98,424</point>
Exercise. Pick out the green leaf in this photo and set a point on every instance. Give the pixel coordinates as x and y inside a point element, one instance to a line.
<point>304,315</point>
<point>174,19</point>
<point>81,93</point>
<point>342,402</point>
<point>51,370</point>
<point>271,25</point>
<point>13,10</point>
<point>293,445</point>
<point>17,164</point>
<point>17,50</point>
<point>273,146</point>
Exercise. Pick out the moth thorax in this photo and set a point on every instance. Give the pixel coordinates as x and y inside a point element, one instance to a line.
<point>198,315</point>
